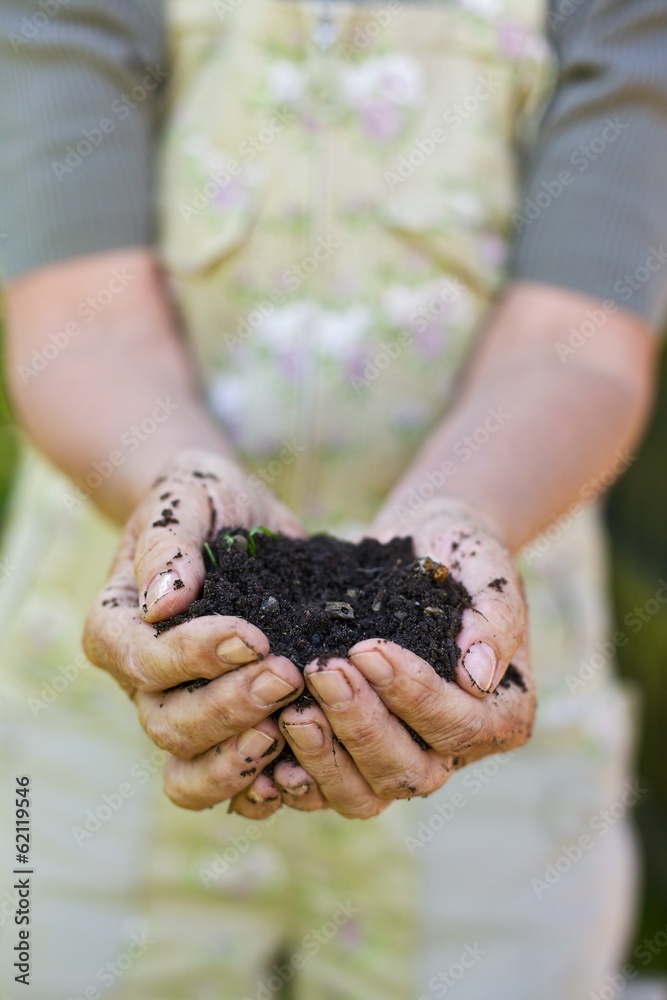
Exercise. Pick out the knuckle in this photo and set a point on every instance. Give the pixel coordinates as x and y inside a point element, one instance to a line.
<point>422,698</point>
<point>459,734</point>
<point>167,737</point>
<point>179,795</point>
<point>177,791</point>
<point>399,784</point>
<point>97,641</point>
<point>364,737</point>
<point>223,719</point>
<point>366,808</point>
<point>133,671</point>
<point>517,736</point>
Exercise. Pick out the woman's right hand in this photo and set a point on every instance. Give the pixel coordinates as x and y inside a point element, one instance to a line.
<point>219,736</point>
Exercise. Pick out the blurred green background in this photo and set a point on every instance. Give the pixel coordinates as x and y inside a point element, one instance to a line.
<point>637,519</point>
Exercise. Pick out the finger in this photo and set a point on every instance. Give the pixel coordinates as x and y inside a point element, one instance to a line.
<point>298,789</point>
<point>329,764</point>
<point>491,633</point>
<point>188,721</point>
<point>117,639</point>
<point>259,800</point>
<point>225,770</point>
<point>185,508</point>
<point>391,761</point>
<point>181,511</point>
<point>445,716</point>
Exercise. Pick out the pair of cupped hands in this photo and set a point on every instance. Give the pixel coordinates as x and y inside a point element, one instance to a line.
<point>353,753</point>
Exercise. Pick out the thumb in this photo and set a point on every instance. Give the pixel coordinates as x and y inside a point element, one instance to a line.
<point>491,631</point>
<point>494,628</point>
<point>182,511</point>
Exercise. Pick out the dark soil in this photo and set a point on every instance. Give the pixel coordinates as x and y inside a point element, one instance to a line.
<point>315,598</point>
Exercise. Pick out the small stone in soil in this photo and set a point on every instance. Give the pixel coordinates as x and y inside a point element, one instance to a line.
<point>339,609</point>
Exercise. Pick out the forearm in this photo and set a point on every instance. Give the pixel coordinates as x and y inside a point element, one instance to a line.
<point>100,376</point>
<point>534,430</point>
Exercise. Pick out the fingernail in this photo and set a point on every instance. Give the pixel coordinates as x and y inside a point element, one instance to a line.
<point>480,662</point>
<point>298,791</point>
<point>235,651</point>
<point>332,687</point>
<point>253,743</point>
<point>374,666</point>
<point>268,688</point>
<point>159,587</point>
<point>306,736</point>
<point>255,797</point>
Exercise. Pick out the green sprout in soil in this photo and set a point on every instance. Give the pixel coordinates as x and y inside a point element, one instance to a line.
<point>252,541</point>
<point>249,546</point>
<point>209,553</point>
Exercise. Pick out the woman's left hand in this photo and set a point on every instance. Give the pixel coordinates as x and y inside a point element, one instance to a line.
<point>355,754</point>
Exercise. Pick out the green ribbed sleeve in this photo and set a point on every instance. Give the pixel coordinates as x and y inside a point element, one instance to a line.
<point>79,101</point>
<point>593,216</point>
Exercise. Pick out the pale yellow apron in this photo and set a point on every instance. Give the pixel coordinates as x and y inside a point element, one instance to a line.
<point>336,184</point>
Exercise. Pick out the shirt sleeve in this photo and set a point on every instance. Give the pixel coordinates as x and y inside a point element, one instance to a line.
<point>79,100</point>
<point>593,212</point>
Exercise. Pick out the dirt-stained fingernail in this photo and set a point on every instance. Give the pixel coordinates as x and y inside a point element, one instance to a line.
<point>375,667</point>
<point>159,587</point>
<point>298,791</point>
<point>253,743</point>
<point>331,687</point>
<point>236,652</point>
<point>480,663</point>
<point>254,797</point>
<point>305,736</point>
<point>268,688</point>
